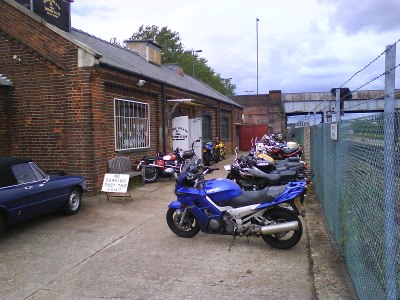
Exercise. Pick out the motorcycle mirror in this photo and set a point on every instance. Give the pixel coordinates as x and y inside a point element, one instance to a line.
<point>227,168</point>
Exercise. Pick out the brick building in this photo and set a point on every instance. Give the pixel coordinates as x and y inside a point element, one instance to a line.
<point>72,101</point>
<point>263,109</point>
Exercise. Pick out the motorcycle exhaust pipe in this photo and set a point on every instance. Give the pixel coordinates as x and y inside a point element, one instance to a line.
<point>277,228</point>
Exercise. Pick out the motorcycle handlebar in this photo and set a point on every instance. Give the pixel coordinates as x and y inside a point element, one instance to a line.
<point>209,170</point>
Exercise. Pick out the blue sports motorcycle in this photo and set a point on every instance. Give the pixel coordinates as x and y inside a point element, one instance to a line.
<point>220,206</point>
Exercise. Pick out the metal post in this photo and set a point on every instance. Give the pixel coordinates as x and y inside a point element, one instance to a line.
<point>315,115</point>
<point>337,105</point>
<point>193,64</point>
<point>257,20</point>
<point>336,202</point>
<point>389,126</point>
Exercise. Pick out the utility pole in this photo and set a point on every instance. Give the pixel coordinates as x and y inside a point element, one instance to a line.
<point>257,20</point>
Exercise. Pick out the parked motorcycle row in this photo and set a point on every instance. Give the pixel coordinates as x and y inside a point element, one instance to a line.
<point>261,168</point>
<point>214,151</point>
<point>261,197</point>
<point>165,165</point>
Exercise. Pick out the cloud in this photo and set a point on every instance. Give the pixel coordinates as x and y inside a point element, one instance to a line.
<point>308,45</point>
<point>354,16</point>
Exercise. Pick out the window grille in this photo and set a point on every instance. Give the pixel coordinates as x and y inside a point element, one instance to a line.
<point>206,128</point>
<point>131,124</point>
<point>225,128</point>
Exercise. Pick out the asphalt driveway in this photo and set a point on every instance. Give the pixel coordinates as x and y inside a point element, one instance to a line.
<point>117,249</point>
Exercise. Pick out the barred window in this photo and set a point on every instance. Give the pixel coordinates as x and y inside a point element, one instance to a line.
<point>225,128</point>
<point>131,124</point>
<point>206,128</point>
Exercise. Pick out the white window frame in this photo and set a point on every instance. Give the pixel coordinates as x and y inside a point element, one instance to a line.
<point>131,124</point>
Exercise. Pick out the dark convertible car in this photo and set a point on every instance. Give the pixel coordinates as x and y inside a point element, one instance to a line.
<point>26,191</point>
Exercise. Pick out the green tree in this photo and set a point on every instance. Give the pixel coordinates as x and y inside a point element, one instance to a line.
<point>173,52</point>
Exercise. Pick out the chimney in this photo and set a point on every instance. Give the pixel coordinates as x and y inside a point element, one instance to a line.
<point>175,67</point>
<point>149,50</point>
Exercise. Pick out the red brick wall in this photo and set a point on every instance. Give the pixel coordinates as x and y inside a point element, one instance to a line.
<point>263,109</point>
<point>62,116</point>
<point>51,97</point>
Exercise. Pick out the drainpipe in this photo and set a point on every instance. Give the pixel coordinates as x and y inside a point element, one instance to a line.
<point>7,100</point>
<point>164,121</point>
<point>219,121</point>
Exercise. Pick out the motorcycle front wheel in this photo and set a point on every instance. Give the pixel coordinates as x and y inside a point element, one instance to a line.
<point>189,227</point>
<point>150,174</point>
<point>223,154</point>
<point>207,157</point>
<point>283,240</point>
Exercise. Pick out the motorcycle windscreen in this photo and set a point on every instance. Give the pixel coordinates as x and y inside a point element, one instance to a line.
<point>220,189</point>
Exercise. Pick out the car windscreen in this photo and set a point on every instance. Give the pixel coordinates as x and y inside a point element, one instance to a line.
<point>26,172</point>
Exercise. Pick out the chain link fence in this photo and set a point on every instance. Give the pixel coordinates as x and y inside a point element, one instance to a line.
<point>360,201</point>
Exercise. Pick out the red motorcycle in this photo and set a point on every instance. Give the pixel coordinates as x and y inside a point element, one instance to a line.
<point>164,165</point>
<point>280,153</point>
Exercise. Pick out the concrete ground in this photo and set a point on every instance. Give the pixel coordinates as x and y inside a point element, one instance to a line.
<point>121,249</point>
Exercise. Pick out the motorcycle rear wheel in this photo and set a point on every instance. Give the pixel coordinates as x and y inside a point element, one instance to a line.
<point>189,228</point>
<point>150,174</point>
<point>283,240</point>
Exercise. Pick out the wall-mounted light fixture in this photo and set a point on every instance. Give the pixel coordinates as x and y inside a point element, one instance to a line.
<point>141,82</point>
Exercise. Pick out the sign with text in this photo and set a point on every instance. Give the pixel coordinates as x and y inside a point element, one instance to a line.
<point>115,183</point>
<point>334,133</point>
<point>56,12</point>
<point>180,132</point>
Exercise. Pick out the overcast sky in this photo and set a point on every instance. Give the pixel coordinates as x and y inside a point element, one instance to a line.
<point>303,46</point>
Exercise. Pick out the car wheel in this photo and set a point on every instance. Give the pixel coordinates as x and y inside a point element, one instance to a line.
<point>74,202</point>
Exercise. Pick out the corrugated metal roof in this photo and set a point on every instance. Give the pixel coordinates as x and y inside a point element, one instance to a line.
<point>121,58</point>
<point>4,81</point>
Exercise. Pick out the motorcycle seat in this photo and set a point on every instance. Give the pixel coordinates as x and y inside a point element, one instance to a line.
<point>256,197</point>
<point>290,166</point>
<point>187,154</point>
<point>291,150</point>
<point>287,174</point>
<point>293,159</point>
<point>294,164</point>
<point>281,168</point>
<point>289,159</point>
<point>152,158</point>
<point>272,177</point>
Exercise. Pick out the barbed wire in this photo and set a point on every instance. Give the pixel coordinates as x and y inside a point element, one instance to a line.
<point>372,99</point>
<point>369,64</point>
<point>308,116</point>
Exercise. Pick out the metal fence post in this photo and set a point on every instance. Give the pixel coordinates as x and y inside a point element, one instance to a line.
<point>337,159</point>
<point>307,143</point>
<point>337,105</point>
<point>389,132</point>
